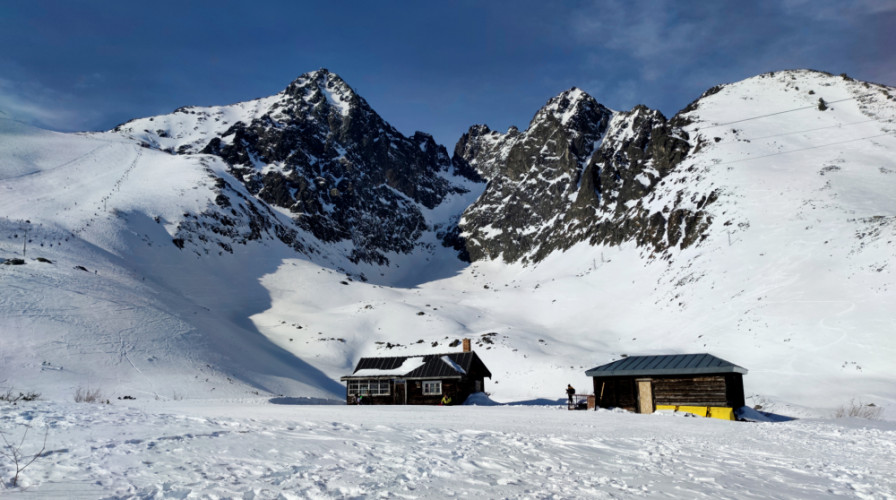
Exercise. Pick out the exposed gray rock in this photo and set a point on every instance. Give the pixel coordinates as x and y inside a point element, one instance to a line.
<point>319,151</point>
<point>338,172</point>
<point>578,173</point>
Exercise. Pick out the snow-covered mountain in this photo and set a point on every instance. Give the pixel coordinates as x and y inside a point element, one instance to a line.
<point>318,153</point>
<point>579,172</point>
<point>266,245</point>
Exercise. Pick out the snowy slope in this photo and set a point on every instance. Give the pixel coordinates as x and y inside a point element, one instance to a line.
<point>800,278</point>
<point>792,281</point>
<point>118,306</point>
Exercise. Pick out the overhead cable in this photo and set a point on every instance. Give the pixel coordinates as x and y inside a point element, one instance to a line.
<point>782,112</point>
<point>802,149</point>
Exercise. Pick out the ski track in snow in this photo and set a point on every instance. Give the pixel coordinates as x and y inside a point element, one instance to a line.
<point>251,450</point>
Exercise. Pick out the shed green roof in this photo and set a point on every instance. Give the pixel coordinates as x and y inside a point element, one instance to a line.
<point>669,364</point>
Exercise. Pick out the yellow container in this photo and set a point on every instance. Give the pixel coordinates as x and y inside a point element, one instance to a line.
<point>719,412</point>
<point>722,413</point>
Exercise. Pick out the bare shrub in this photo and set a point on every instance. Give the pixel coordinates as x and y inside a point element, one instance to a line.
<point>20,459</point>
<point>859,409</point>
<point>10,396</point>
<point>88,395</point>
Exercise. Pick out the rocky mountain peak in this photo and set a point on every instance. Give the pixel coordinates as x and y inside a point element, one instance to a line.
<point>577,173</point>
<point>532,175</point>
<point>321,78</point>
<point>571,106</point>
<point>562,133</point>
<point>318,151</point>
<point>324,88</point>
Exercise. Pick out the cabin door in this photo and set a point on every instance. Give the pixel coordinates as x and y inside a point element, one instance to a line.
<point>401,394</point>
<point>645,396</point>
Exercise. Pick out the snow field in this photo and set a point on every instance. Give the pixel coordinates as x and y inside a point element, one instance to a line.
<point>251,449</point>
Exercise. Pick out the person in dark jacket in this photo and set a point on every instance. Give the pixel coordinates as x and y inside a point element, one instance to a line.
<point>570,392</point>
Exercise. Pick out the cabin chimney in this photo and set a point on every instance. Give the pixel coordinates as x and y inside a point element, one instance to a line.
<point>466,345</point>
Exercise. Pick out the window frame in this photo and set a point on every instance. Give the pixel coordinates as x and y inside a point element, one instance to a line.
<point>369,387</point>
<point>430,386</point>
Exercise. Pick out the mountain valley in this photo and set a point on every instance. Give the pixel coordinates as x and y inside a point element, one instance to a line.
<point>261,248</point>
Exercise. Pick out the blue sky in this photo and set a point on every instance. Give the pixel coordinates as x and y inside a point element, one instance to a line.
<point>437,67</point>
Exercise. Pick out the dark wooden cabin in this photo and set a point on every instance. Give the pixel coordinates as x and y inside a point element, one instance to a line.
<point>698,383</point>
<point>416,380</point>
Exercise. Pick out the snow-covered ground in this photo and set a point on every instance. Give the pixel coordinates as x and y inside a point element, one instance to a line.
<point>255,449</point>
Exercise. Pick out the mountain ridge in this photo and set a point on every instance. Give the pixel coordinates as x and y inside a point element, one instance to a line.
<point>318,152</point>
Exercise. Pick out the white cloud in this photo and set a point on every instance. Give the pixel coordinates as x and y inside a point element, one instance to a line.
<point>650,33</point>
<point>34,104</point>
<point>828,10</point>
<point>688,44</point>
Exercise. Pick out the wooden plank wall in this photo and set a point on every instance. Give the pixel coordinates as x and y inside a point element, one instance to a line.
<point>692,391</point>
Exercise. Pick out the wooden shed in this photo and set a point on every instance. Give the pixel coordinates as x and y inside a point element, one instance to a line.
<point>696,383</point>
<point>417,380</point>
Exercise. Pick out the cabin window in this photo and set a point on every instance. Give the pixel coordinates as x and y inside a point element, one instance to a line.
<point>432,387</point>
<point>368,387</point>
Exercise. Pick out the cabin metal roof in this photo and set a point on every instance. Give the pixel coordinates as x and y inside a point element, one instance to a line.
<point>668,364</point>
<point>433,366</point>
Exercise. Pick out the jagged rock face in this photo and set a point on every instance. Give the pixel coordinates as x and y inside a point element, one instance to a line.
<point>233,219</point>
<point>318,150</point>
<point>531,175</point>
<point>579,172</point>
<point>640,149</point>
